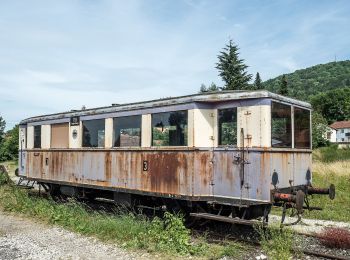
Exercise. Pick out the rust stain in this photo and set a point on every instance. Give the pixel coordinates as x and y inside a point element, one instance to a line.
<point>169,172</point>
<point>108,162</point>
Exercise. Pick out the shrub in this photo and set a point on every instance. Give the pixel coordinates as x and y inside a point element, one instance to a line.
<point>335,238</point>
<point>4,178</point>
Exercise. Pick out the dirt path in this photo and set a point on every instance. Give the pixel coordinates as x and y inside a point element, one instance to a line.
<point>21,238</point>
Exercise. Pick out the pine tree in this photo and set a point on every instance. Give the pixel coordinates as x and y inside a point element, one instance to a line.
<point>213,87</point>
<point>283,86</point>
<point>203,89</point>
<point>232,70</point>
<point>257,81</point>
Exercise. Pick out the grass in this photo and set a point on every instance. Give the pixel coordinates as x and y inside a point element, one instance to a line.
<point>166,236</point>
<point>331,154</point>
<point>277,243</point>
<point>339,208</point>
<point>323,175</point>
<point>330,165</point>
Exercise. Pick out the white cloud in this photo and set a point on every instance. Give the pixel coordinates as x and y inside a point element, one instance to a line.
<point>61,55</point>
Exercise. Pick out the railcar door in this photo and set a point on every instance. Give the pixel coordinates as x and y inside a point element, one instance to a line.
<point>230,158</point>
<point>22,147</point>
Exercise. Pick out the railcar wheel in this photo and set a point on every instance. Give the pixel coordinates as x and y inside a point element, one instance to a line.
<point>56,194</point>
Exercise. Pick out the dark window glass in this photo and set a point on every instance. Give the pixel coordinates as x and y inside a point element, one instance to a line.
<point>94,133</point>
<point>227,126</point>
<point>37,136</point>
<point>281,125</point>
<point>169,129</point>
<point>127,131</point>
<point>301,128</point>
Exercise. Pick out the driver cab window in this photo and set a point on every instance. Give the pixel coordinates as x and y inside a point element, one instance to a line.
<point>227,126</point>
<point>281,125</point>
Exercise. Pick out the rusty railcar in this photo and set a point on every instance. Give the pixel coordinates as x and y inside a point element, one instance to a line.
<point>229,154</point>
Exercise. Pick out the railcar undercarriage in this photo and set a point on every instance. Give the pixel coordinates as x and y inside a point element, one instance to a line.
<point>241,212</point>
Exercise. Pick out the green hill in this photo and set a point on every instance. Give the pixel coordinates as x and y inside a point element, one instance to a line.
<point>304,83</point>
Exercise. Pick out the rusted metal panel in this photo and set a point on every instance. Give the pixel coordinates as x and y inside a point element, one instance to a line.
<point>227,174</point>
<point>167,172</point>
<point>174,172</point>
<point>302,165</point>
<point>230,181</point>
<point>203,173</point>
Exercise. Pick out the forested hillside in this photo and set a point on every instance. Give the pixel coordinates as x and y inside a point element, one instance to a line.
<point>304,83</point>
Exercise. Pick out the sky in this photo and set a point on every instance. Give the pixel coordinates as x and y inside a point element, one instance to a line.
<point>60,55</point>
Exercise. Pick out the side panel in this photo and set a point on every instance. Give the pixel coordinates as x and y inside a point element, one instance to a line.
<point>60,135</point>
<point>231,181</point>
<point>189,173</point>
<point>167,172</point>
<point>45,136</point>
<point>259,167</point>
<point>30,137</point>
<point>204,127</point>
<point>256,124</point>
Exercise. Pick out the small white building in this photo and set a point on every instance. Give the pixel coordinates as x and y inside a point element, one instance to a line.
<point>342,131</point>
<point>331,134</point>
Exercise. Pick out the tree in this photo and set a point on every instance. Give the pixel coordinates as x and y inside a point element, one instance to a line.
<point>213,87</point>
<point>319,130</point>
<point>203,89</point>
<point>9,145</point>
<point>283,86</point>
<point>333,105</point>
<point>305,83</point>
<point>231,69</point>
<point>2,129</point>
<point>257,82</point>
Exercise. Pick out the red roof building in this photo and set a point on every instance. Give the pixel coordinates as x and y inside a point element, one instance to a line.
<point>340,124</point>
<point>343,131</point>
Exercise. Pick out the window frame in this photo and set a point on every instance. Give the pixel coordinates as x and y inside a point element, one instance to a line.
<point>185,137</point>
<point>310,127</point>
<point>113,131</point>
<point>291,125</point>
<point>34,135</point>
<point>83,133</point>
<point>218,128</point>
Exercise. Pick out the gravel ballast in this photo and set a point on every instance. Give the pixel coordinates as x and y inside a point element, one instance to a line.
<point>22,238</point>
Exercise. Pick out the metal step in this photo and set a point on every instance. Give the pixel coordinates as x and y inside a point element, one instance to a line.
<point>24,183</point>
<point>227,219</point>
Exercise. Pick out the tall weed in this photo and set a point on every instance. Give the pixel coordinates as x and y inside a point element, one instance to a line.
<point>167,236</point>
<point>277,243</point>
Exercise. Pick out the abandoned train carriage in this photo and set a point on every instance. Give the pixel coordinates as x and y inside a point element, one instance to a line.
<point>227,153</point>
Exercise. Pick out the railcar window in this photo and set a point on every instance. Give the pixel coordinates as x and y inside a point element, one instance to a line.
<point>169,129</point>
<point>94,133</point>
<point>127,131</point>
<point>301,128</point>
<point>227,126</point>
<point>60,135</point>
<point>37,136</point>
<point>281,125</point>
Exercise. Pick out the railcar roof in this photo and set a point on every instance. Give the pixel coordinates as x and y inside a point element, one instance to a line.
<point>207,97</point>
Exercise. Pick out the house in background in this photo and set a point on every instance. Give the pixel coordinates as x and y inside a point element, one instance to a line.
<point>331,134</point>
<point>342,133</point>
